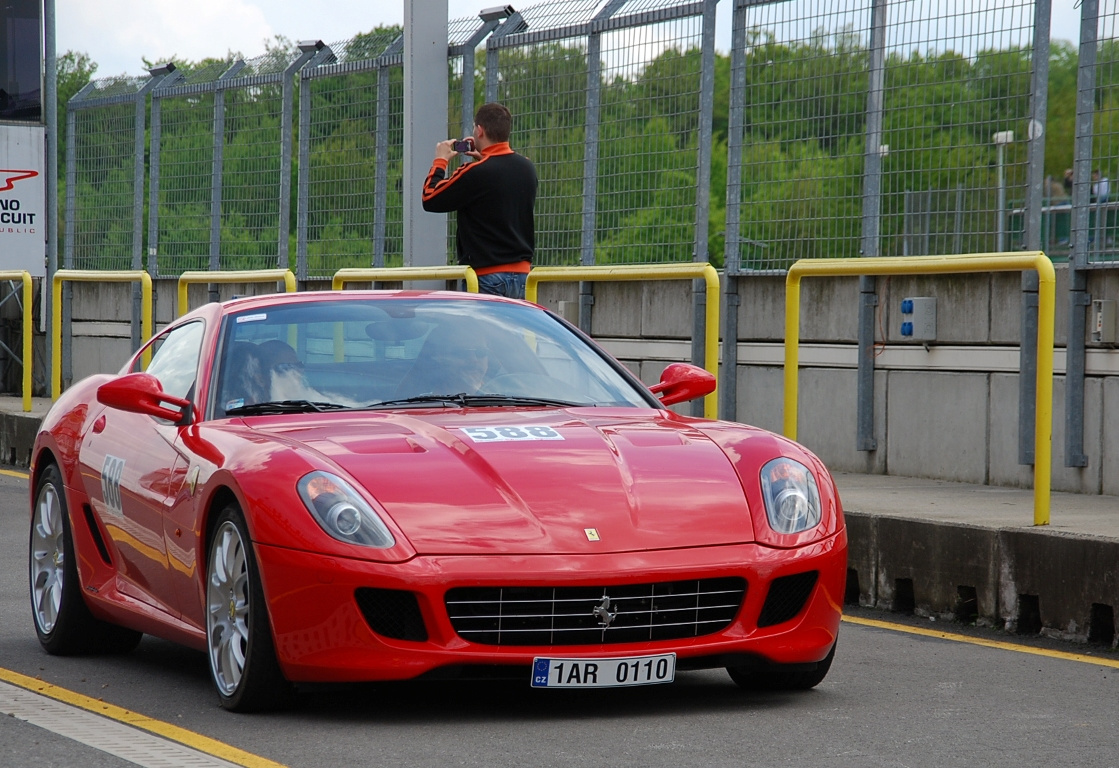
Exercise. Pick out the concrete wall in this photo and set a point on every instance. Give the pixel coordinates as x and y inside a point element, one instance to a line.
<point>947,411</point>
<point>1018,579</point>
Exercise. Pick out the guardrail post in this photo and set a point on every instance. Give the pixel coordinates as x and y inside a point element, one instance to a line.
<point>935,265</point>
<point>69,276</point>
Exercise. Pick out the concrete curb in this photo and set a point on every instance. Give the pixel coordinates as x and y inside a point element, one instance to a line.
<point>1024,580</point>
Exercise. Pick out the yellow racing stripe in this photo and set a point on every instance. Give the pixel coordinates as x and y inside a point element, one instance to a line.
<point>174,733</point>
<point>1015,647</point>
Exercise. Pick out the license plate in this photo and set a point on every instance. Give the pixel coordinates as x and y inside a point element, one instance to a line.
<point>603,673</point>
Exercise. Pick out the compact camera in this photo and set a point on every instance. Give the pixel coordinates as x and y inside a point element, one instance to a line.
<point>466,145</point>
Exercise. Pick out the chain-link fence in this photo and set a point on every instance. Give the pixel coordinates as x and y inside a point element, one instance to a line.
<point>350,147</point>
<point>830,128</point>
<point>952,89</point>
<point>105,127</point>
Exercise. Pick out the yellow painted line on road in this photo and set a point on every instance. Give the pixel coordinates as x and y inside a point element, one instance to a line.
<point>174,733</point>
<point>13,473</point>
<point>1015,647</point>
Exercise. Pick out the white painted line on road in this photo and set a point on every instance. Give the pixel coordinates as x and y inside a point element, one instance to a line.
<point>124,741</point>
<point>129,735</point>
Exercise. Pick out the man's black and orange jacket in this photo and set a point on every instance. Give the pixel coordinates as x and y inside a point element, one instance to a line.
<point>494,198</point>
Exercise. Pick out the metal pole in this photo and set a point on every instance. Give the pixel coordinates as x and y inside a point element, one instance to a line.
<point>1079,298</point>
<point>732,246</point>
<point>381,169</point>
<point>1000,240</point>
<point>871,224</point>
<point>703,184</point>
<point>217,171</point>
<point>425,124</point>
<point>590,161</point>
<point>50,98</point>
<point>1035,148</point>
<point>303,180</point>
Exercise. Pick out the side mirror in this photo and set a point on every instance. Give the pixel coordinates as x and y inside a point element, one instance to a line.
<point>142,393</point>
<point>681,382</point>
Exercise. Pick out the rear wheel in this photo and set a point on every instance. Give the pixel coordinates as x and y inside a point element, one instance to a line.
<point>243,662</point>
<point>781,678</point>
<point>63,622</point>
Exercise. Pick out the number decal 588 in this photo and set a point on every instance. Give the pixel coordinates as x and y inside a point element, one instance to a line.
<point>501,434</point>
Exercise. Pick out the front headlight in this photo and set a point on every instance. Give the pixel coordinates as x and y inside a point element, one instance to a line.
<point>792,502</point>
<point>341,512</point>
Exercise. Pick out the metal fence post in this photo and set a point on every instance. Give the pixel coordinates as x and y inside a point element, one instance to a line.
<point>218,166</point>
<point>732,246</point>
<point>1035,170</point>
<point>467,50</point>
<point>303,178</point>
<point>703,180</point>
<point>381,179</point>
<point>68,252</point>
<point>158,74</point>
<point>1083,235</point>
<point>871,227</point>
<point>590,158</point>
<point>308,49</point>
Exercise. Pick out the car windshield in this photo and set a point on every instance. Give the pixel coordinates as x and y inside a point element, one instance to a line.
<point>408,353</point>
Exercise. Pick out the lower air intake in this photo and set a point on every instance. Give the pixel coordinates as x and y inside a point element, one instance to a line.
<point>594,615</point>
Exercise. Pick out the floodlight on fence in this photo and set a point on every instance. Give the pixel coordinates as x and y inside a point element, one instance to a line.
<point>496,13</point>
<point>162,69</point>
<point>307,46</point>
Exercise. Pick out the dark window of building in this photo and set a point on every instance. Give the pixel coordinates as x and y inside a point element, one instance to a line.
<point>21,59</point>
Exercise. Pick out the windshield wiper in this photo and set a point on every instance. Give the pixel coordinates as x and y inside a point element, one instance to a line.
<point>283,406</point>
<point>421,399</point>
<point>463,400</point>
<point>496,399</point>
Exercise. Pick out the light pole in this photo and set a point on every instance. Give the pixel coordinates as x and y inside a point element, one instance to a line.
<point>1001,139</point>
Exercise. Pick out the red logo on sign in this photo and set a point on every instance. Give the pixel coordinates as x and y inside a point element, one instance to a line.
<point>8,178</point>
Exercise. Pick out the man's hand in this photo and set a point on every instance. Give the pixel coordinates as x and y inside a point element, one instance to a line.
<point>445,150</point>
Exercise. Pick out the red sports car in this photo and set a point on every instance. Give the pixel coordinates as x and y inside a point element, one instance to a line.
<point>356,486</point>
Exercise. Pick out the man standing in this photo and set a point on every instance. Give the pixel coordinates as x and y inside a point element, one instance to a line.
<point>494,198</point>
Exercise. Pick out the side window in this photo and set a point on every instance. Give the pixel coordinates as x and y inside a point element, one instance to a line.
<point>175,358</point>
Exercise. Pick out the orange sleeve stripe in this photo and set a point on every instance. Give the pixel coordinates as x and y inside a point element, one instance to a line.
<point>431,190</point>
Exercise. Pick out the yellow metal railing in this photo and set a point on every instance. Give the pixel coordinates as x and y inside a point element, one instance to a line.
<point>94,276</point>
<point>28,328</point>
<point>186,279</point>
<point>382,274</point>
<point>939,265</point>
<point>687,271</point>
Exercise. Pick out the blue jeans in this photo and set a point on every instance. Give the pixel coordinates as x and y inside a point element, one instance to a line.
<point>509,284</point>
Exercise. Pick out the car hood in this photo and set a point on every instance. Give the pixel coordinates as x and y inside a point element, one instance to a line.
<point>506,481</point>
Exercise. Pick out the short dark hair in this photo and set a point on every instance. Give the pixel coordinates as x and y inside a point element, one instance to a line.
<point>495,119</point>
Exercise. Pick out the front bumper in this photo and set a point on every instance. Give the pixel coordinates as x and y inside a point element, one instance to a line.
<point>322,636</point>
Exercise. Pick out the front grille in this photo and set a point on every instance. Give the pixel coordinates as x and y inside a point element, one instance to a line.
<point>786,597</point>
<point>576,615</point>
<point>392,613</point>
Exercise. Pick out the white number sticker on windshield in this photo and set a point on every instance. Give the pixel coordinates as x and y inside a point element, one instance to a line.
<point>506,434</point>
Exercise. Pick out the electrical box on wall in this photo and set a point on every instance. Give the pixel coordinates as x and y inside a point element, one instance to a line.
<point>1103,321</point>
<point>918,318</point>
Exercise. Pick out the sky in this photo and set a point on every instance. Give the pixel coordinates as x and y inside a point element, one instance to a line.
<point>119,34</point>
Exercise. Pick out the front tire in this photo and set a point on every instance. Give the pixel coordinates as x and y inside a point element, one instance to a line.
<point>780,678</point>
<point>63,622</point>
<point>243,662</point>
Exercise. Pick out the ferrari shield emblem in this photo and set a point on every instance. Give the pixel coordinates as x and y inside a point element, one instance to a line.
<point>592,534</point>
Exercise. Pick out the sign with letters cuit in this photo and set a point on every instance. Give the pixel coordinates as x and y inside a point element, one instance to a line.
<point>23,210</point>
